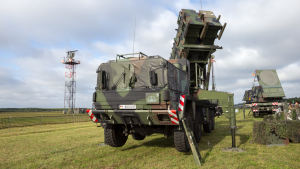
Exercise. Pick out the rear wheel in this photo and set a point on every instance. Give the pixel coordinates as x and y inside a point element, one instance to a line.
<point>207,126</point>
<point>138,136</point>
<point>114,136</point>
<point>213,123</point>
<point>197,128</point>
<point>213,119</point>
<point>181,141</point>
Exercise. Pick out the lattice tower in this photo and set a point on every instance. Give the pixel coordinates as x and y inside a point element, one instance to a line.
<point>70,81</point>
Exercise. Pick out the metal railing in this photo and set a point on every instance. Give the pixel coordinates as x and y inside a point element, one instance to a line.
<point>199,75</point>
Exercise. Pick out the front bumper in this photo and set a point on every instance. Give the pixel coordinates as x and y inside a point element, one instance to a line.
<point>135,117</point>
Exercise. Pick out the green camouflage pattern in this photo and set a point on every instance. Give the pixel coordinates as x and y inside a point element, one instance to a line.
<point>133,73</point>
<point>278,128</point>
<point>194,40</point>
<point>269,83</point>
<point>269,88</point>
<point>128,83</point>
<point>267,93</point>
<point>190,26</point>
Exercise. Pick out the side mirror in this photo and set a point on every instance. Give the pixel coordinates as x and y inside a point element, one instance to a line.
<point>103,79</point>
<point>153,78</point>
<point>94,96</point>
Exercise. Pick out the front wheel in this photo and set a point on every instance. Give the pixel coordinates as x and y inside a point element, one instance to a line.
<point>114,135</point>
<point>181,141</point>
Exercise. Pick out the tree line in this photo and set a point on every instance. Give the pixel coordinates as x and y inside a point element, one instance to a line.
<point>293,100</point>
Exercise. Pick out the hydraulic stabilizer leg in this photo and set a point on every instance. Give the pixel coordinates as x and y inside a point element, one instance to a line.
<point>233,138</point>
<point>232,118</point>
<point>233,126</point>
<point>192,142</point>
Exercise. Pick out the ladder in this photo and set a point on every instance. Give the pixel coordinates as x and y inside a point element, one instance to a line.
<point>188,131</point>
<point>192,142</point>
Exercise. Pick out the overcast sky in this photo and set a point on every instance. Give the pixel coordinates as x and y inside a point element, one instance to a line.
<point>35,36</point>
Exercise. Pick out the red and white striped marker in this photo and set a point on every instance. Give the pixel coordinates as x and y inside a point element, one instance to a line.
<point>275,109</point>
<point>254,110</point>
<point>172,113</point>
<point>92,115</point>
<point>173,116</point>
<point>181,103</point>
<point>254,104</point>
<point>274,103</point>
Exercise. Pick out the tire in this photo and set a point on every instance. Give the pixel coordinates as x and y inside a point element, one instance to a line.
<point>197,128</point>
<point>213,119</point>
<point>220,110</point>
<point>114,136</point>
<point>207,126</point>
<point>137,136</point>
<point>181,142</point>
<point>213,123</point>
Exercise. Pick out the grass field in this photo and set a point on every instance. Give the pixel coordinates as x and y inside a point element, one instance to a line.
<point>78,146</point>
<point>21,119</point>
<point>29,114</point>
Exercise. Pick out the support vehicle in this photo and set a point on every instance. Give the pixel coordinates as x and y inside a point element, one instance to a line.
<point>267,97</point>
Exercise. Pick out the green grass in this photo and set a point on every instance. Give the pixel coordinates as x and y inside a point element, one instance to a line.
<point>76,146</point>
<point>22,119</point>
<point>29,114</point>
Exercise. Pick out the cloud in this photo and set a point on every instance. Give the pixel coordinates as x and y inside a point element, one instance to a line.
<point>290,72</point>
<point>35,36</point>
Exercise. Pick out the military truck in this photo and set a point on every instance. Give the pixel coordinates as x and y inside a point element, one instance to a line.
<point>143,95</point>
<point>267,97</point>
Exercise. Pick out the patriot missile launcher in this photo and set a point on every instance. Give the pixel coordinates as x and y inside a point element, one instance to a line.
<point>267,97</point>
<point>143,95</point>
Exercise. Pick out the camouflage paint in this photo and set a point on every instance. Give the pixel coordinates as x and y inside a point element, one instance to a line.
<point>151,109</point>
<point>128,79</point>
<point>194,41</point>
<point>269,91</point>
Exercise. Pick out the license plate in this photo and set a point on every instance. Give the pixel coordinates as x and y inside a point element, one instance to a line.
<point>127,106</point>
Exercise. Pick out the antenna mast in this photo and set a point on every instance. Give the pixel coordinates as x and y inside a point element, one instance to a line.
<point>134,33</point>
<point>70,81</point>
<point>201,4</point>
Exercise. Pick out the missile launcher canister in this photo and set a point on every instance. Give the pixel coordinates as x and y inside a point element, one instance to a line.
<point>268,96</point>
<point>143,95</point>
<point>196,34</point>
<point>194,40</point>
